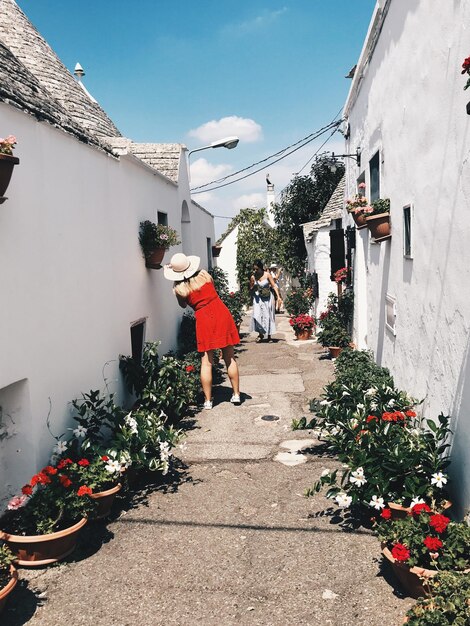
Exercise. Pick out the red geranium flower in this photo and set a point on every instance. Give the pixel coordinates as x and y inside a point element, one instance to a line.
<point>84,462</point>
<point>386,514</point>
<point>64,480</point>
<point>63,463</point>
<point>84,491</point>
<point>433,543</point>
<point>49,470</point>
<point>41,479</point>
<point>419,508</point>
<point>466,65</point>
<point>371,418</point>
<point>105,458</point>
<point>27,490</point>
<point>410,414</point>
<point>439,522</point>
<point>190,368</point>
<point>400,552</point>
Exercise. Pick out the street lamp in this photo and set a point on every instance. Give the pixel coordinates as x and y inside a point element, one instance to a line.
<point>228,142</point>
<point>333,160</point>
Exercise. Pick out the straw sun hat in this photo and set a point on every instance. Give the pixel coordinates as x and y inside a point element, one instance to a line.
<point>181,266</point>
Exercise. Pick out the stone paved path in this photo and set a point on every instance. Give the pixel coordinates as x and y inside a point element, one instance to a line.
<point>235,543</point>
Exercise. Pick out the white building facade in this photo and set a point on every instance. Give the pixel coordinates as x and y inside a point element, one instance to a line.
<point>406,112</point>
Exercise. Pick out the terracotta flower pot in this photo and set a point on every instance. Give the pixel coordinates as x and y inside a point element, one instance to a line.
<point>335,351</point>
<point>399,511</point>
<point>413,579</point>
<point>216,250</point>
<point>105,501</point>
<point>303,335</point>
<point>155,258</point>
<point>5,591</point>
<point>7,163</point>
<point>32,550</point>
<point>379,226</point>
<point>359,220</point>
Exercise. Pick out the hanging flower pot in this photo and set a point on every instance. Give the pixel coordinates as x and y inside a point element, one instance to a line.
<point>105,501</point>
<point>379,226</point>
<point>8,588</point>
<point>359,220</point>
<point>7,163</point>
<point>35,550</point>
<point>154,259</point>
<point>216,250</point>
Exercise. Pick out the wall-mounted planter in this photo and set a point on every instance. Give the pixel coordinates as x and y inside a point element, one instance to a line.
<point>216,250</point>
<point>7,163</point>
<point>379,226</point>
<point>359,220</point>
<point>154,259</point>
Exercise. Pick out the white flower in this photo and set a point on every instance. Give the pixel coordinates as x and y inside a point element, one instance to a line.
<point>360,407</point>
<point>343,500</point>
<point>324,403</point>
<point>165,452</point>
<point>345,393</point>
<point>391,403</point>
<point>80,431</point>
<point>60,447</point>
<point>373,406</point>
<point>415,501</point>
<point>326,472</point>
<point>439,479</point>
<point>357,478</point>
<point>354,422</point>
<point>112,466</point>
<point>370,392</point>
<point>377,503</point>
<point>165,468</point>
<point>335,430</point>
<point>132,423</point>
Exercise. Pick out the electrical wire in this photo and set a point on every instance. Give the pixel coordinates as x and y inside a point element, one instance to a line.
<point>305,141</point>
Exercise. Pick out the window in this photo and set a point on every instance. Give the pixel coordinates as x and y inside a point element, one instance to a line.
<point>407,249</point>
<point>162,218</point>
<point>209,253</point>
<point>137,339</point>
<point>374,171</point>
<point>390,313</point>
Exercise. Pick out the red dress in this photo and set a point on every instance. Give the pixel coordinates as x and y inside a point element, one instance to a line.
<point>215,327</point>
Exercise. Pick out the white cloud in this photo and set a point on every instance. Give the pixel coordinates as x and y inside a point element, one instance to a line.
<point>249,200</point>
<point>247,130</point>
<point>203,172</point>
<point>263,20</point>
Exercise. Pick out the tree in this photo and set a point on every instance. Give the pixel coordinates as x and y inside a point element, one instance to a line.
<point>256,240</point>
<point>302,201</point>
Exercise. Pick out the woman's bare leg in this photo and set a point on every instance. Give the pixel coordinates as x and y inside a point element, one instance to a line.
<point>228,354</point>
<point>206,373</point>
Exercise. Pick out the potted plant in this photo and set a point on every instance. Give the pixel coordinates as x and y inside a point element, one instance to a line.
<point>302,325</point>
<point>8,574</point>
<point>333,334</point>
<point>359,208</point>
<point>216,250</point>
<point>154,240</point>
<point>447,605</point>
<point>42,524</point>
<point>7,163</point>
<point>423,543</point>
<point>299,300</point>
<point>378,220</point>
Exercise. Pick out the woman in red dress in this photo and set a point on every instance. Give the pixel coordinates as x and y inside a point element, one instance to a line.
<point>215,327</point>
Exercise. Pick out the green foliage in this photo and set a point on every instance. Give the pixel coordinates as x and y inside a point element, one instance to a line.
<point>302,201</point>
<point>448,605</point>
<point>357,368</point>
<point>256,240</point>
<point>98,416</point>
<point>382,205</point>
<point>333,333</point>
<point>153,236</point>
<point>6,559</point>
<point>298,301</point>
<point>160,385</point>
<point>233,300</point>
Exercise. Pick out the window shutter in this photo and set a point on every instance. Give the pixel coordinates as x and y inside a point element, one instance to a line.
<point>337,260</point>
<point>315,287</point>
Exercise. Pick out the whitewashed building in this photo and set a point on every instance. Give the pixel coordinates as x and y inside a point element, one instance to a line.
<point>406,112</point>
<point>74,287</point>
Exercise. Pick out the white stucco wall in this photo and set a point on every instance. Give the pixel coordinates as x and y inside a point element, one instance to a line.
<point>318,255</point>
<point>411,106</point>
<point>227,259</point>
<point>73,280</point>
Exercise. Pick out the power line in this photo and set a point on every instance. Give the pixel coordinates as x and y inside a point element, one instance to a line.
<point>305,141</point>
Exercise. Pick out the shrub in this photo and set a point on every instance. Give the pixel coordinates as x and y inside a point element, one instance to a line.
<point>448,605</point>
<point>298,301</point>
<point>7,558</point>
<point>187,335</point>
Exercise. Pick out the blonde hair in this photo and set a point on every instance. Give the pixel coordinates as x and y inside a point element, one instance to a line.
<point>184,287</point>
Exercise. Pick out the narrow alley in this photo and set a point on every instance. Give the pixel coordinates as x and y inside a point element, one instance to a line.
<point>235,542</point>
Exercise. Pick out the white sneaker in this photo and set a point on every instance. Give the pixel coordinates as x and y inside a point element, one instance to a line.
<point>207,404</point>
<point>235,399</point>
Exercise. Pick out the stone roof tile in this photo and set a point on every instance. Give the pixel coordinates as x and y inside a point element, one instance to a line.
<point>163,157</point>
<point>20,36</point>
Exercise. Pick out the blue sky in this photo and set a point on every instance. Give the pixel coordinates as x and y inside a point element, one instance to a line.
<point>195,71</point>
